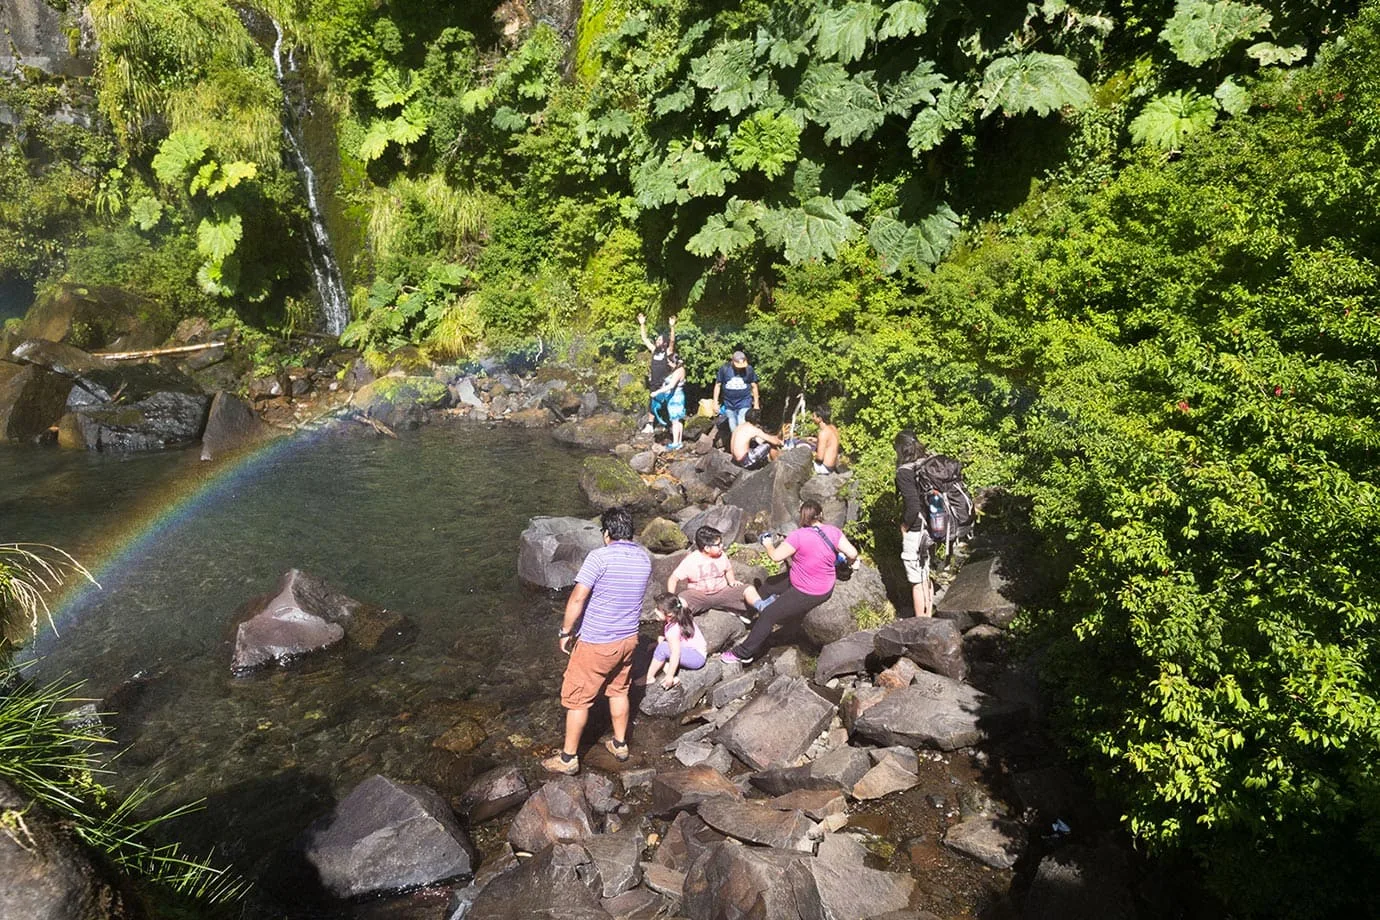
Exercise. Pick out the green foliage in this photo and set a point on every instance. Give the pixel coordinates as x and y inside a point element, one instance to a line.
<point>1035,82</point>
<point>1168,120</point>
<point>1200,31</point>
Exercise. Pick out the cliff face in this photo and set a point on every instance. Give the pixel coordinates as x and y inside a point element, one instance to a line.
<point>34,34</point>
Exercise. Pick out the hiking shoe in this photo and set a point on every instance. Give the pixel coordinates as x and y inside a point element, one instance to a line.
<point>647,429</point>
<point>744,619</point>
<point>729,658</point>
<point>619,751</point>
<point>558,764</point>
<point>675,446</point>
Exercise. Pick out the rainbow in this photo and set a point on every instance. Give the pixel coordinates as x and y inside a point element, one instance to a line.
<point>141,529</point>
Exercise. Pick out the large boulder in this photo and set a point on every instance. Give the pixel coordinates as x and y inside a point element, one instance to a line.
<point>684,790</point>
<point>44,874</point>
<point>860,601</point>
<point>660,535</point>
<point>838,769</point>
<point>137,407</point>
<point>770,497</point>
<point>303,615</point>
<point>558,811</point>
<point>493,793</point>
<point>608,482</point>
<point>552,549</point>
<point>401,403</point>
<point>726,519</point>
<point>834,492</point>
<point>387,836</point>
<point>937,712</point>
<point>597,432</point>
<point>848,889</point>
<point>759,823</point>
<point>845,656</point>
<point>561,880</point>
<point>979,591</point>
<point>32,399</point>
<point>777,725</point>
<point>684,696</point>
<point>934,644</point>
<point>231,425</point>
<point>721,629</point>
<point>92,317</point>
<point>729,877</point>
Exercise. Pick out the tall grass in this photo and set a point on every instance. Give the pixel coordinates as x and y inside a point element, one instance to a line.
<point>28,573</point>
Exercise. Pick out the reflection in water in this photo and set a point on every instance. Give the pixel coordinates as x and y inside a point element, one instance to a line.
<point>427,526</point>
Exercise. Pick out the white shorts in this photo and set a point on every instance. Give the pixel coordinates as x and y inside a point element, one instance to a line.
<point>915,554</point>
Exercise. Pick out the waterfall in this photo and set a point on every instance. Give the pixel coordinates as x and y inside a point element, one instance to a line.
<point>335,306</point>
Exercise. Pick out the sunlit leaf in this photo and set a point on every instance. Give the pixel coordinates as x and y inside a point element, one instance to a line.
<point>815,230</point>
<point>726,233</point>
<point>677,101</point>
<point>765,142</point>
<point>847,106</point>
<point>1168,120</point>
<point>1233,99</point>
<point>906,17</point>
<point>145,213</point>
<point>1034,82</point>
<point>179,152</point>
<point>389,89</point>
<point>1268,53</point>
<point>216,238</point>
<point>1200,31</point>
<point>844,32</point>
<point>376,139</point>
<point>920,85</point>
<point>727,72</point>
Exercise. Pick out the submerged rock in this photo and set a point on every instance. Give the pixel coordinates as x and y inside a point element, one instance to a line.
<point>387,836</point>
<point>305,614</point>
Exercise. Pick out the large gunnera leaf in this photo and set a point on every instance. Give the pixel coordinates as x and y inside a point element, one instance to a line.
<point>898,243</point>
<point>1034,82</point>
<point>1168,120</point>
<point>1199,31</point>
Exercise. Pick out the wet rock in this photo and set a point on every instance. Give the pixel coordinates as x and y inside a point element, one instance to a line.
<point>859,601</point>
<point>938,712</point>
<point>608,481</point>
<point>848,889</point>
<point>387,836</point>
<point>463,393</point>
<point>137,407</point>
<point>617,857</point>
<point>684,696</point>
<point>71,435</point>
<point>530,418</point>
<point>44,875</point>
<point>1081,883</point>
<point>777,883</point>
<point>726,519</point>
<point>598,432</point>
<point>845,656</point>
<point>493,793</point>
<point>990,841</point>
<point>559,881</point>
<point>557,811</point>
<point>552,549</point>
<point>638,904</point>
<point>231,425</point>
<point>883,779</point>
<point>636,778</point>
<point>401,403</point>
<point>65,360</point>
<point>980,590</point>
<point>778,725</point>
<point>755,822</point>
<point>462,737</point>
<point>32,400</point>
<point>932,643</point>
<point>663,536</point>
<point>686,838</point>
<point>682,790</point>
<point>374,629</point>
<point>816,803</point>
<point>304,614</point>
<point>770,497</point>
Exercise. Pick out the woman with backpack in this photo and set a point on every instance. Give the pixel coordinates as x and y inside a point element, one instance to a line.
<point>915,537</point>
<point>815,551</point>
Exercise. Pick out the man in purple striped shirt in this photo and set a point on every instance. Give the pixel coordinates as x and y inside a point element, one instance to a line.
<point>608,595</point>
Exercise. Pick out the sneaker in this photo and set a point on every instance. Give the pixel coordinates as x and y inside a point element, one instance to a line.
<point>558,764</point>
<point>729,658</point>
<point>744,619</point>
<point>764,603</point>
<point>619,751</point>
<point>677,445</point>
<point>647,429</point>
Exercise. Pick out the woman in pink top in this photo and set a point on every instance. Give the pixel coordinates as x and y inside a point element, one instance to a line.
<point>811,550</point>
<point>709,579</point>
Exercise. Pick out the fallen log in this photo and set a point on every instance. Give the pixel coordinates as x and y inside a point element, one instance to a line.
<point>156,352</point>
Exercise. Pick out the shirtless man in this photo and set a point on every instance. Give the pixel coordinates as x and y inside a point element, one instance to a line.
<point>750,446</point>
<point>826,443</point>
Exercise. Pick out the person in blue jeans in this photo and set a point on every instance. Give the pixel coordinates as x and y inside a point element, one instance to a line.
<point>735,390</point>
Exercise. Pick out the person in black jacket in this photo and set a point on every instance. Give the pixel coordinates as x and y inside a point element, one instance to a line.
<point>915,550</point>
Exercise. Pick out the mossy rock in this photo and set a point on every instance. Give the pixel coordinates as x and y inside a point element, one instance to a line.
<point>400,402</point>
<point>598,432</point>
<point>608,481</point>
<point>663,536</point>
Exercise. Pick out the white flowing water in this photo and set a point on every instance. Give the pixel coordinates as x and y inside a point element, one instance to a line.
<point>335,306</point>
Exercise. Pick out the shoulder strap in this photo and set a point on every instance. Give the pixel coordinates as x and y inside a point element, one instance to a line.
<point>825,537</point>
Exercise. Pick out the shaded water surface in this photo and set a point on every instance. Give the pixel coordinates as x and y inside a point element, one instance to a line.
<point>427,525</point>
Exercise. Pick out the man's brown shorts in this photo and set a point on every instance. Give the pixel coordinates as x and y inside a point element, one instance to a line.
<point>606,666</point>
